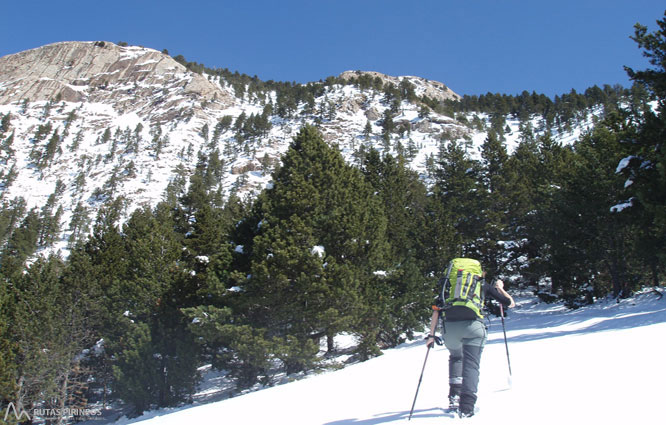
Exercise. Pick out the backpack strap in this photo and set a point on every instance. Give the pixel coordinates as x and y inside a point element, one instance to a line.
<point>459,278</point>
<point>472,290</point>
<point>446,284</point>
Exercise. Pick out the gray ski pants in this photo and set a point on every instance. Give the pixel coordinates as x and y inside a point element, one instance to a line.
<point>464,340</point>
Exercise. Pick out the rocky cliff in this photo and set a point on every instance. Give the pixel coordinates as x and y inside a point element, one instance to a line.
<point>133,79</point>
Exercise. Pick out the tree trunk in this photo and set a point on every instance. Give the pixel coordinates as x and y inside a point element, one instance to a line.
<point>330,343</point>
<point>655,273</point>
<point>63,397</point>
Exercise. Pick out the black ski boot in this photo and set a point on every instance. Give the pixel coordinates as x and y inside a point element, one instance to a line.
<point>454,403</point>
<point>464,414</point>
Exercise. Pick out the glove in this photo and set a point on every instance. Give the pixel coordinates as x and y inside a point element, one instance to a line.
<point>432,340</point>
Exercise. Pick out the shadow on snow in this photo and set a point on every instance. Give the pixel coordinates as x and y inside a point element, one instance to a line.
<point>384,418</point>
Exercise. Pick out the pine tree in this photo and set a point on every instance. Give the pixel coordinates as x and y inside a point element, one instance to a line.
<point>288,289</point>
<point>145,332</point>
<point>49,332</point>
<point>244,351</point>
<point>106,136</point>
<point>591,243</point>
<point>541,167</point>
<point>388,126</point>
<point>10,216</point>
<point>49,222</point>
<point>495,204</point>
<point>134,380</point>
<point>87,310</point>
<point>8,344</point>
<point>102,262</point>
<point>455,204</point>
<point>316,190</point>
<point>204,132</point>
<point>367,131</point>
<point>526,180</point>
<point>21,244</point>
<point>646,163</point>
<point>6,146</point>
<point>405,204</point>
<point>5,123</point>
<point>207,254</point>
<point>52,147</point>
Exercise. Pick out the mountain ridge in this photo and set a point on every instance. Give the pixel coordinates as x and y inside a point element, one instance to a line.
<point>433,89</point>
<point>94,121</point>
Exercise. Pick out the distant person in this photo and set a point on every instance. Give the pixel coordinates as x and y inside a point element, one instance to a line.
<point>460,303</point>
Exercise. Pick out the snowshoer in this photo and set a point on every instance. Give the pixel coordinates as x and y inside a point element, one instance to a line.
<point>460,304</point>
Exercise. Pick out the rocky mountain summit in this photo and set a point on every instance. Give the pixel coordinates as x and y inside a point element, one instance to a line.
<point>133,79</point>
<point>432,89</point>
<point>86,123</point>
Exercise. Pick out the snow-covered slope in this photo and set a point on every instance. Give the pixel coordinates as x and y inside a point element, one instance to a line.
<point>596,365</point>
<point>93,121</point>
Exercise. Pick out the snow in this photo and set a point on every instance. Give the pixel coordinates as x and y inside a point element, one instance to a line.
<point>148,62</point>
<point>318,250</point>
<point>92,166</point>
<point>597,364</point>
<point>622,206</point>
<point>624,163</point>
<point>203,259</point>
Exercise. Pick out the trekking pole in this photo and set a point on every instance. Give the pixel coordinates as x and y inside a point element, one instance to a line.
<point>506,344</point>
<point>433,326</point>
<point>419,385</point>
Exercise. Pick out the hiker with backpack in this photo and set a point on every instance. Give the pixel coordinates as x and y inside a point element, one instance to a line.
<point>460,305</point>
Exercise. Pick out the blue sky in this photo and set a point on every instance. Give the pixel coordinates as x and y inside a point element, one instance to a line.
<point>473,46</point>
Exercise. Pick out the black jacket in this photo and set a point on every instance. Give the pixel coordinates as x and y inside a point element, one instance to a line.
<point>459,313</point>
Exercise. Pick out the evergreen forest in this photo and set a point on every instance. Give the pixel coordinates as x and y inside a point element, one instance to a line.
<point>260,287</point>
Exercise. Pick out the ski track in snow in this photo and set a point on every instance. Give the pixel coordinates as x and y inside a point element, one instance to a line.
<point>598,365</point>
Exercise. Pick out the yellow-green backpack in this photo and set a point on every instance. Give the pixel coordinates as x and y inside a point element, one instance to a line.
<point>463,285</point>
